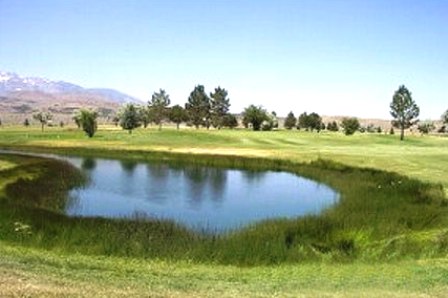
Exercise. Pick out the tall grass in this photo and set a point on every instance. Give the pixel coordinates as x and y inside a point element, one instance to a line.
<point>380,216</point>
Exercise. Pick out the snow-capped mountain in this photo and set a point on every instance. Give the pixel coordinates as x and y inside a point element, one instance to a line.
<point>11,83</point>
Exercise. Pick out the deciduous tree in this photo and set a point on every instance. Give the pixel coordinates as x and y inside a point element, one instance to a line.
<point>310,122</point>
<point>129,117</point>
<point>43,118</point>
<point>332,126</point>
<point>144,114</point>
<point>426,127</point>
<point>88,121</point>
<point>350,125</point>
<point>178,115</point>
<point>255,116</point>
<point>230,121</point>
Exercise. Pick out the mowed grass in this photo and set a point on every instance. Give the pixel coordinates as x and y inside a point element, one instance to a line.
<point>25,270</point>
<point>422,157</point>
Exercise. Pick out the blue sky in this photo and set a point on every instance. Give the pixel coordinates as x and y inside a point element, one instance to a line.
<point>334,57</point>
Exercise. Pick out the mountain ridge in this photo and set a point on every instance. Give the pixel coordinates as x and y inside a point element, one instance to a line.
<point>20,97</point>
<point>11,82</point>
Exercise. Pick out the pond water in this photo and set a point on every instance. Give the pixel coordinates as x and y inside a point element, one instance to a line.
<point>202,198</point>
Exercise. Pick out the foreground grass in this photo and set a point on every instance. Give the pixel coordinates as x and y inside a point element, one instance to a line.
<point>30,272</point>
<point>25,270</point>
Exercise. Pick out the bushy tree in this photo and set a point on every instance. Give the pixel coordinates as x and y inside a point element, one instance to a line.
<point>404,110</point>
<point>144,115</point>
<point>270,122</point>
<point>370,128</point>
<point>426,127</point>
<point>43,118</point>
<point>26,123</point>
<point>310,122</point>
<point>219,107</point>
<point>254,116</point>
<point>302,121</point>
<point>333,126</point>
<point>290,121</point>
<point>230,121</point>
<point>88,121</point>
<point>178,115</point>
<point>158,107</point>
<point>350,125</point>
<point>129,117</point>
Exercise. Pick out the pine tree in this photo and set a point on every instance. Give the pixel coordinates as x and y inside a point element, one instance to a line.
<point>404,110</point>
<point>198,107</point>
<point>158,107</point>
<point>219,106</point>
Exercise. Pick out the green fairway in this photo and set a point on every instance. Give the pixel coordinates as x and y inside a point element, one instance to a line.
<point>422,157</point>
<point>410,231</point>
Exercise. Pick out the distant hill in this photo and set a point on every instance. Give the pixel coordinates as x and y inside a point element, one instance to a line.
<point>11,83</point>
<point>22,96</point>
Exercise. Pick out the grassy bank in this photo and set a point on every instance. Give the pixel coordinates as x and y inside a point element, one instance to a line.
<point>382,217</point>
<point>34,273</point>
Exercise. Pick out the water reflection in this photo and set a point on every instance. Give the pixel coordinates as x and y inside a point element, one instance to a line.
<point>88,164</point>
<point>218,181</point>
<point>128,166</point>
<point>204,183</point>
<point>198,197</point>
<point>253,176</point>
<point>157,183</point>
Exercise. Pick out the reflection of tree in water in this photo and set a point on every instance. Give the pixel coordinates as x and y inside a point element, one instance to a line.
<point>88,164</point>
<point>196,185</point>
<point>218,179</point>
<point>201,177</point>
<point>158,183</point>
<point>159,172</point>
<point>128,166</point>
<point>253,177</point>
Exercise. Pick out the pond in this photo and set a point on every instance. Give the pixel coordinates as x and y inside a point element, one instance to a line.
<point>202,198</point>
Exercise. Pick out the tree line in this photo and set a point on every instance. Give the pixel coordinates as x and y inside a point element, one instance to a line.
<point>200,110</point>
<point>203,110</point>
